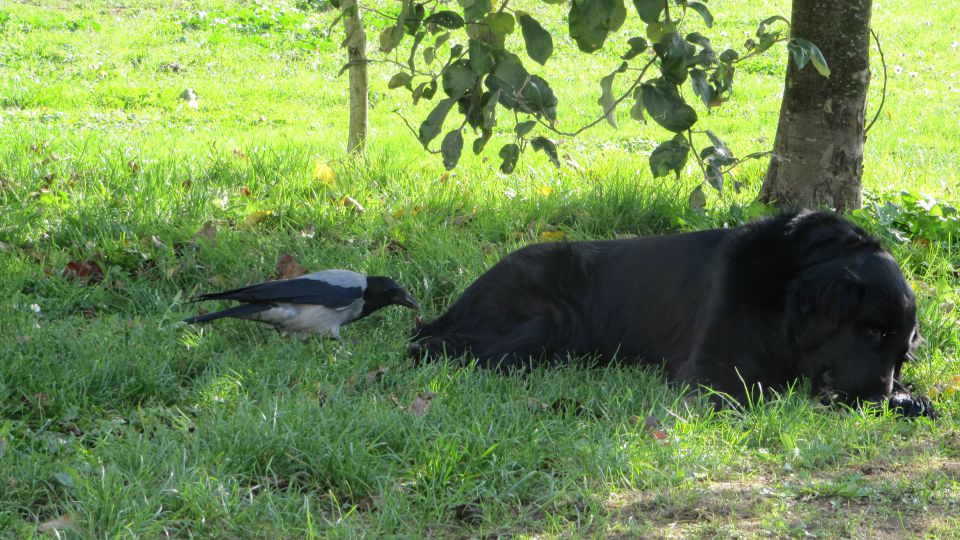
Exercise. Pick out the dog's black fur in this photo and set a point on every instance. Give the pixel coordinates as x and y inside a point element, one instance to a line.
<point>804,294</point>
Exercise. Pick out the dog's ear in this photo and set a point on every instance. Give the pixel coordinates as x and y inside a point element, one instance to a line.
<point>818,301</point>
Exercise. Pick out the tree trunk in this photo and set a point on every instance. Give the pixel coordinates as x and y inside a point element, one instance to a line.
<point>356,43</point>
<point>818,151</point>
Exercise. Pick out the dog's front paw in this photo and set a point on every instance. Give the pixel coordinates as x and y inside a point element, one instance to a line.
<point>911,406</point>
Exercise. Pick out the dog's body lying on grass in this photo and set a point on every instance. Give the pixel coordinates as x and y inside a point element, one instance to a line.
<point>802,295</point>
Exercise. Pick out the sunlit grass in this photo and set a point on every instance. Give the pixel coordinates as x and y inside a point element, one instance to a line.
<point>123,422</point>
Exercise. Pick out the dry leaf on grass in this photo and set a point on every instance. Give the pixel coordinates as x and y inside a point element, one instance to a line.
<point>352,204</point>
<point>375,375</point>
<point>62,522</point>
<point>396,247</point>
<point>252,220</point>
<point>421,403</point>
<point>207,233</point>
<point>553,236</point>
<point>324,174</point>
<point>656,429</point>
<point>289,268</point>
<point>368,502</point>
<point>946,389</point>
<point>88,272</point>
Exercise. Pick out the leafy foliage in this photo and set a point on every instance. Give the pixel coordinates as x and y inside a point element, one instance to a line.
<point>483,75</point>
<point>914,217</point>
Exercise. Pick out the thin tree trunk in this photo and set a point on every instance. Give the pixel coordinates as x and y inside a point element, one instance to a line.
<point>818,151</point>
<point>356,43</point>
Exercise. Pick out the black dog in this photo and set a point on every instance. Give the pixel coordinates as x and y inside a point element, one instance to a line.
<point>805,294</point>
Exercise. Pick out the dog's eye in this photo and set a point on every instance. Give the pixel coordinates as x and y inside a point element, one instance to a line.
<point>875,334</point>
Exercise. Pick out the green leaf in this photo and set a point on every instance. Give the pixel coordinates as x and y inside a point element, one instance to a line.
<point>548,147</point>
<point>481,141</point>
<point>703,11</point>
<point>490,110</point>
<point>510,153</point>
<point>803,50</point>
<point>657,30</point>
<point>608,101</point>
<point>637,46</point>
<point>458,78</point>
<point>474,10</point>
<point>701,88</point>
<point>649,10</point>
<point>618,15</point>
<point>524,127</point>
<point>451,147</point>
<point>676,56</point>
<point>697,199</point>
<point>590,21</point>
<point>722,149</point>
<point>762,27</point>
<point>699,39</point>
<point>450,20</point>
<point>663,102</point>
<point>493,29</point>
<point>669,156</point>
<point>729,56</point>
<point>399,79</point>
<point>431,127</point>
<point>430,90</point>
<point>481,57</point>
<point>391,37</point>
<point>538,98</point>
<point>508,75</point>
<point>538,41</point>
<point>418,92</point>
<point>429,54</point>
<point>413,21</point>
<point>800,56</point>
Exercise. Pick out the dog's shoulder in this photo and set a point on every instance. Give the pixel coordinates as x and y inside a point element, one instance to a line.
<point>805,234</point>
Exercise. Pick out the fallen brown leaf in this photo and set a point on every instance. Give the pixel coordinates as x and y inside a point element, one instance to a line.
<point>421,404</point>
<point>252,220</point>
<point>351,203</point>
<point>368,502</point>
<point>207,233</point>
<point>62,522</point>
<point>375,375</point>
<point>395,247</point>
<point>324,174</point>
<point>87,271</point>
<point>656,429</point>
<point>289,268</point>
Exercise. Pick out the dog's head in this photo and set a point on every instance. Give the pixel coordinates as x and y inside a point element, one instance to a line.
<point>853,319</point>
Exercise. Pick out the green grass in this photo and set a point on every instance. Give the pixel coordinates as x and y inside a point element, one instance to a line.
<point>121,422</point>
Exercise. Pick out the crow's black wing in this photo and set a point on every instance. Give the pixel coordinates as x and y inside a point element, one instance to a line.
<point>239,311</point>
<point>294,291</point>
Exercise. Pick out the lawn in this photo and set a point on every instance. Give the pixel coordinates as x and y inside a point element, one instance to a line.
<point>119,201</point>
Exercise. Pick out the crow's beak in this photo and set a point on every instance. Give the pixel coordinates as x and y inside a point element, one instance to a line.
<point>404,298</point>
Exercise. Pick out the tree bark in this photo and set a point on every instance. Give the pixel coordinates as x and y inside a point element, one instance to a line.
<point>818,151</point>
<point>356,43</point>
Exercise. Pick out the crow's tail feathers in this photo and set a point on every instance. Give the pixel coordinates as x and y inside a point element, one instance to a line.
<point>239,311</point>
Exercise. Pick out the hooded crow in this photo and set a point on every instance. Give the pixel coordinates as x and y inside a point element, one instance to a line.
<point>317,303</point>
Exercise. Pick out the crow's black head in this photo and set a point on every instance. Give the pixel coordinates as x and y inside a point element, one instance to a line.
<point>382,292</point>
